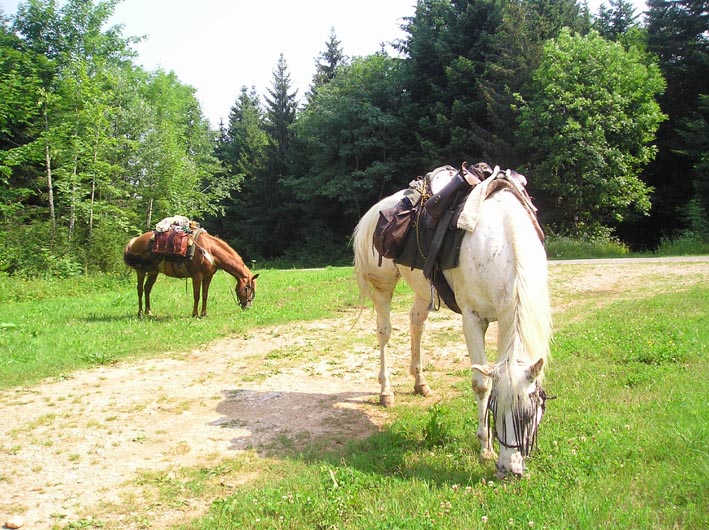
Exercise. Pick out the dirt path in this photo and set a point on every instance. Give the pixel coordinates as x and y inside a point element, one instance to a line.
<point>76,447</point>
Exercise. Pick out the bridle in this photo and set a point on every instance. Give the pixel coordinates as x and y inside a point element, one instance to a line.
<point>522,419</point>
<point>247,292</point>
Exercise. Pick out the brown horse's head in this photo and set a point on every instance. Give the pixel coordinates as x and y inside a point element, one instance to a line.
<point>246,290</point>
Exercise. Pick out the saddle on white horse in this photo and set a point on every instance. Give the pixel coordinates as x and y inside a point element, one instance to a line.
<point>425,229</point>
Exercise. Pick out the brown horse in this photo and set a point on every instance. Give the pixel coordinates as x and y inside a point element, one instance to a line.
<point>210,255</point>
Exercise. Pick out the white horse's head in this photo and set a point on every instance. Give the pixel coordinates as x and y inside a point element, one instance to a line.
<point>517,402</point>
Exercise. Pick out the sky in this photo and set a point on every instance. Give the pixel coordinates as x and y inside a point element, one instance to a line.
<point>218,46</point>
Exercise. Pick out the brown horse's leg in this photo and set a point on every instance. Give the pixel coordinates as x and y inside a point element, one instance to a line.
<point>205,292</point>
<point>141,279</point>
<point>196,288</point>
<point>152,276</point>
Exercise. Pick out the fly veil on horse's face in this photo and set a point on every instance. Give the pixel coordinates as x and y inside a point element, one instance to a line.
<point>517,403</point>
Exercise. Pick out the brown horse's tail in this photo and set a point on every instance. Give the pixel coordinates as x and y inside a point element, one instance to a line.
<point>134,259</point>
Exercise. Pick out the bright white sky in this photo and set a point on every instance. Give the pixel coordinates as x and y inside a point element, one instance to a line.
<point>218,46</point>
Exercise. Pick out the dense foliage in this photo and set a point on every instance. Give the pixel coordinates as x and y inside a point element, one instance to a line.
<point>94,149</point>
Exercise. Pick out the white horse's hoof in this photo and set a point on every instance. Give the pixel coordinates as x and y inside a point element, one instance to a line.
<point>422,390</point>
<point>487,455</point>
<point>386,400</point>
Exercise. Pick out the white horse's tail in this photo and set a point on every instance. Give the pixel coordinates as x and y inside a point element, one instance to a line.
<point>369,272</point>
<point>364,251</point>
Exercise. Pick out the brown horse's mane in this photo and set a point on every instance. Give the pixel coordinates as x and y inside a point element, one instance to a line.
<point>225,251</point>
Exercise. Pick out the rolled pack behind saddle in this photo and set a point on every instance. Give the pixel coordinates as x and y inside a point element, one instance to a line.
<point>174,238</point>
<point>421,230</point>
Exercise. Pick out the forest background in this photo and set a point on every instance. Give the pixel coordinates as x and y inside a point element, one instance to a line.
<point>606,114</point>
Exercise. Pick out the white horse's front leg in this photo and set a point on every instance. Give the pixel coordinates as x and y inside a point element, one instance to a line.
<point>474,328</point>
<point>417,318</point>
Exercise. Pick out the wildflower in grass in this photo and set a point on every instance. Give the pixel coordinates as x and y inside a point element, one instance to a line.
<point>484,519</point>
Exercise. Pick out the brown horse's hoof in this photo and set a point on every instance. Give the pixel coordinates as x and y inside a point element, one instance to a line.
<point>422,390</point>
<point>386,400</point>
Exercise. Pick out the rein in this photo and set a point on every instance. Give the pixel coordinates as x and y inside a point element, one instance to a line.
<point>232,291</point>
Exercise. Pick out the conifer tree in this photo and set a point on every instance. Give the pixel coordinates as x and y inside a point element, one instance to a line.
<point>616,20</point>
<point>327,64</point>
<point>279,213</point>
<point>678,36</point>
<point>281,108</point>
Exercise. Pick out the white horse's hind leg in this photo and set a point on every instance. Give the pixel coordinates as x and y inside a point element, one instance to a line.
<point>474,328</point>
<point>417,319</point>
<point>382,305</point>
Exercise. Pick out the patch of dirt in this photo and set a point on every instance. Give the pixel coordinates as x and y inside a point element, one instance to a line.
<point>77,447</point>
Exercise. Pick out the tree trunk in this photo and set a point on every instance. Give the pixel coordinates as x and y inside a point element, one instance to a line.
<point>50,186</point>
<point>149,219</point>
<point>72,206</point>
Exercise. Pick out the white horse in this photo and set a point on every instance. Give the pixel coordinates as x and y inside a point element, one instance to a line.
<point>502,276</point>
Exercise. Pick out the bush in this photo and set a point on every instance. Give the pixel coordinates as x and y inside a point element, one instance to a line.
<point>688,244</point>
<point>600,246</point>
<point>30,253</point>
<point>320,249</point>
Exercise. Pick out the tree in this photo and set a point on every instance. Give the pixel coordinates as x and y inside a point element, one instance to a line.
<point>174,169</point>
<point>242,151</point>
<point>268,217</point>
<point>695,134</point>
<point>93,148</point>
<point>615,20</point>
<point>515,52</point>
<point>677,33</point>
<point>355,146</point>
<point>355,140</point>
<point>588,123</point>
<point>23,75</point>
<point>327,64</point>
<point>281,108</point>
<point>466,59</point>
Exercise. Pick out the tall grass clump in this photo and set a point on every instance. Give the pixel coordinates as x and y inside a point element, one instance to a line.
<point>603,246</point>
<point>688,244</point>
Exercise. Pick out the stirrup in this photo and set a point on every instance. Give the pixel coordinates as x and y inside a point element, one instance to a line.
<point>434,295</point>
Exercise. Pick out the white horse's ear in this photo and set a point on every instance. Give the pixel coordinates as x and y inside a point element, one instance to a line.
<point>536,369</point>
<point>483,369</point>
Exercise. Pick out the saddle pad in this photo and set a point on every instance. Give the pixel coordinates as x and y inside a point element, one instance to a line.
<point>468,219</point>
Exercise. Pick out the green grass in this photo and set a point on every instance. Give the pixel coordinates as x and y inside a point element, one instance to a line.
<point>623,446</point>
<point>51,328</point>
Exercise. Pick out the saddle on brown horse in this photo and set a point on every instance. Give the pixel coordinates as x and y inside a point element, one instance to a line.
<point>173,243</point>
